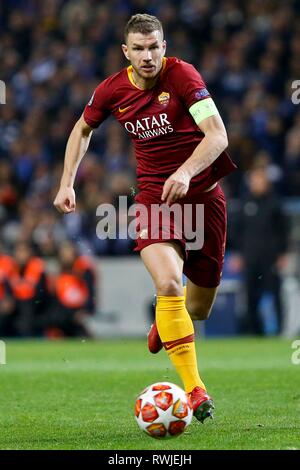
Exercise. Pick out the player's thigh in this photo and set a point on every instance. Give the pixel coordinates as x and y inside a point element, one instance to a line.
<point>164,261</point>
<point>199,300</point>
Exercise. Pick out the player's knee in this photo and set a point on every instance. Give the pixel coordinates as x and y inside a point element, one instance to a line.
<point>169,286</point>
<point>198,310</point>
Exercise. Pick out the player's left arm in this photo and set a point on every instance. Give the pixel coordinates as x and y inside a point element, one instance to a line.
<point>207,151</point>
<point>215,141</point>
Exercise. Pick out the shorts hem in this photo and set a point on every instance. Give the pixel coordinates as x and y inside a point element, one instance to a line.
<point>149,242</point>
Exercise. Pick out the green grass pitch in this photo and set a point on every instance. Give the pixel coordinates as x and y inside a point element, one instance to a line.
<point>80,395</point>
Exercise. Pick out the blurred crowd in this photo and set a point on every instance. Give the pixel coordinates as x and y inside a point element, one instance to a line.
<point>53,53</point>
<point>36,301</point>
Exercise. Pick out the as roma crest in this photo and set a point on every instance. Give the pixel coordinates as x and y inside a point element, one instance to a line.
<point>164,98</point>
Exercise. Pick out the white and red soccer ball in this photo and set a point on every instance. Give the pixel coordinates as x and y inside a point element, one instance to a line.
<point>163,410</point>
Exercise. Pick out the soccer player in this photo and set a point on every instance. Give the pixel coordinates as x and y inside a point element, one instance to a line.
<point>180,141</point>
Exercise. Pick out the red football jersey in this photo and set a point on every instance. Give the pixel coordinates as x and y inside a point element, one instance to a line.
<point>163,132</point>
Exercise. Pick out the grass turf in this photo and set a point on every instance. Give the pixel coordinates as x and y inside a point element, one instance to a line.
<point>81,394</point>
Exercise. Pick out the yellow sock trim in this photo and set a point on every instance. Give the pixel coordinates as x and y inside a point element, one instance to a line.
<point>175,325</point>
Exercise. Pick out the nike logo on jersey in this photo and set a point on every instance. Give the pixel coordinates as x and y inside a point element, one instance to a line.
<point>122,110</point>
<point>91,100</point>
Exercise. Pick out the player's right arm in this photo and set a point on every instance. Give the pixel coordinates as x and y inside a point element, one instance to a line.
<point>95,112</point>
<point>77,146</point>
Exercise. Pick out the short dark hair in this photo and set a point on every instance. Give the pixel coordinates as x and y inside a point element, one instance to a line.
<point>142,23</point>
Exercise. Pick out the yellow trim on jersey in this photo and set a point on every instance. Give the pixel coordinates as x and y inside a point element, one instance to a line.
<point>130,73</point>
<point>203,109</point>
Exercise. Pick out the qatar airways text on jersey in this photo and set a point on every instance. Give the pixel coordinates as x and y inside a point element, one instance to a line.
<point>149,126</point>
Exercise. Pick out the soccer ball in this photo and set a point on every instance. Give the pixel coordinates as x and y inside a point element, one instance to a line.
<point>163,410</point>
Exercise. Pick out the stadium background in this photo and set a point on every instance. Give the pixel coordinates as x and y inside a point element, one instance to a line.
<point>54,53</point>
<point>79,394</point>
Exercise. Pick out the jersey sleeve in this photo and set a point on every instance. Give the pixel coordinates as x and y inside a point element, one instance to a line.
<point>190,84</point>
<point>193,92</point>
<point>97,109</point>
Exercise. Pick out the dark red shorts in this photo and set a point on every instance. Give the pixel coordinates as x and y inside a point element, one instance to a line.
<point>203,265</point>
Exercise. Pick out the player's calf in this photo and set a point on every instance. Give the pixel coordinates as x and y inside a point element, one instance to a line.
<point>198,310</point>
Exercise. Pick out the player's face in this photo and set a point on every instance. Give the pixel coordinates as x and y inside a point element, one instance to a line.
<point>145,52</point>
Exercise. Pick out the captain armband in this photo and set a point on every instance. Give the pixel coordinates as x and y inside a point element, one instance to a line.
<point>203,109</point>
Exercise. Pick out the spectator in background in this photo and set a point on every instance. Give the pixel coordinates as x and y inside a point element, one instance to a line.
<point>7,303</point>
<point>8,191</point>
<point>292,157</point>
<point>73,294</point>
<point>85,268</point>
<point>29,288</point>
<point>261,241</point>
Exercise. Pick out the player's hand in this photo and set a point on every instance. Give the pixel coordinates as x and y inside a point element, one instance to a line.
<point>175,187</point>
<point>65,200</point>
